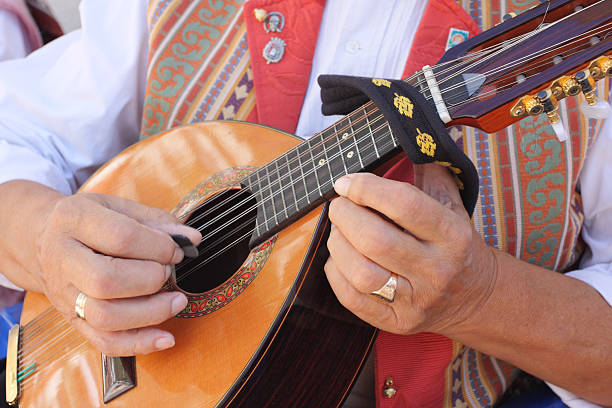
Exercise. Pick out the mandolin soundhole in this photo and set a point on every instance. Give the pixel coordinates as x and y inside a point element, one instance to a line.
<point>226,221</point>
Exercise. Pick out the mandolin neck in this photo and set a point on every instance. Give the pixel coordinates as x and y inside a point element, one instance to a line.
<point>301,179</point>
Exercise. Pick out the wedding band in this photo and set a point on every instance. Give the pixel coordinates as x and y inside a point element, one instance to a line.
<point>79,305</point>
<point>387,291</point>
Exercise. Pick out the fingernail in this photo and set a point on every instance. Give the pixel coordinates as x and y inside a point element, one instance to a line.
<point>178,303</point>
<point>164,342</point>
<point>168,270</point>
<point>177,256</point>
<point>342,185</point>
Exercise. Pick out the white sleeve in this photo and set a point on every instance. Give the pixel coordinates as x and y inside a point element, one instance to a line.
<point>13,43</point>
<point>73,104</point>
<point>596,263</point>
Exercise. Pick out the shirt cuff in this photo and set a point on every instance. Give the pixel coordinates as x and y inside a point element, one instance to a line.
<point>599,277</point>
<point>39,169</point>
<point>570,399</point>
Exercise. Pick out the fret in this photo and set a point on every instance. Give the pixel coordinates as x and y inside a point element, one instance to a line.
<point>393,140</point>
<point>293,187</point>
<point>371,132</point>
<point>354,140</point>
<point>271,196</point>
<point>281,176</point>
<point>319,162</point>
<point>331,177</point>
<point>338,151</point>
<point>263,203</point>
<point>298,155</point>
<point>363,137</point>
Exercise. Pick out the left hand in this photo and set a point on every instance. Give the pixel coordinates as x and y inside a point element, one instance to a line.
<point>445,270</point>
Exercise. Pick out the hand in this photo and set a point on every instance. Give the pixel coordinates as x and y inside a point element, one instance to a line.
<point>424,235</point>
<point>117,252</point>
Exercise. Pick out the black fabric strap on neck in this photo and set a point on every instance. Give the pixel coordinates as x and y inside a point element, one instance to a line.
<point>414,122</point>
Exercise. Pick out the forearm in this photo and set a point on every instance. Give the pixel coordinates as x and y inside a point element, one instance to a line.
<point>22,211</point>
<point>552,326</point>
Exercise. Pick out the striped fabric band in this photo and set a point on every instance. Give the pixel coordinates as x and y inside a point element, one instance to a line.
<point>198,64</point>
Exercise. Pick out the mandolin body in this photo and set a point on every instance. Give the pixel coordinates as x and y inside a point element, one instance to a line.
<point>283,341</point>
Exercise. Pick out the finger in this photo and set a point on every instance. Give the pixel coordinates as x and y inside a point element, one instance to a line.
<point>143,311</point>
<point>367,307</point>
<point>116,234</point>
<point>436,181</point>
<point>363,274</point>
<point>406,205</point>
<point>105,277</point>
<point>379,240</point>
<point>125,343</point>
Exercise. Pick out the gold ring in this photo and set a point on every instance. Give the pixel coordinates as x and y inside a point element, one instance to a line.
<point>387,291</point>
<point>79,305</point>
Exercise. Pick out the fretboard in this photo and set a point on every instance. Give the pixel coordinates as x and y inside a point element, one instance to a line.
<point>303,178</point>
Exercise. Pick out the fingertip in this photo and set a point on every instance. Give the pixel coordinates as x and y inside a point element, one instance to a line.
<point>342,185</point>
<point>164,342</point>
<point>179,302</point>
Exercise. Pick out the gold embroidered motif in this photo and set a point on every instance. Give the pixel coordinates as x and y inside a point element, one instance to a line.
<point>403,105</point>
<point>381,82</point>
<point>426,143</point>
<point>448,165</point>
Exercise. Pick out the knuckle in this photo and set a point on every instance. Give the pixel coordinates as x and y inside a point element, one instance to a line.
<point>99,318</point>
<point>97,285</point>
<point>122,237</point>
<point>373,242</point>
<point>364,279</point>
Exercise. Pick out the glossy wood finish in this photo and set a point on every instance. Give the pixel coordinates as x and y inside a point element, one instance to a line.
<point>285,338</point>
<point>493,113</point>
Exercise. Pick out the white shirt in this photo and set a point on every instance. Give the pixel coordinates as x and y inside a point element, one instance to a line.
<point>77,102</point>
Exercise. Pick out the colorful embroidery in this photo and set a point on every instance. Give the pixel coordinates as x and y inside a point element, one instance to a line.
<point>403,105</point>
<point>381,82</point>
<point>426,143</point>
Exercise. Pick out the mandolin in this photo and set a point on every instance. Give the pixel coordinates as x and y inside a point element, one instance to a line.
<point>262,327</point>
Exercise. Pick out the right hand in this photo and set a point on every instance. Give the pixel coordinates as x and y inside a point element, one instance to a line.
<point>117,252</point>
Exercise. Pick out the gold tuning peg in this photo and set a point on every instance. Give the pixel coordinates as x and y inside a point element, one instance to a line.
<point>565,86</point>
<point>601,67</point>
<point>549,104</point>
<point>587,84</point>
<point>527,105</point>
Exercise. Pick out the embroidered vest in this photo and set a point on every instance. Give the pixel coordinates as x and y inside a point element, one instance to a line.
<point>205,63</point>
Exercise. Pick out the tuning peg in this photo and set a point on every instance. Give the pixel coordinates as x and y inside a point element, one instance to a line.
<point>601,67</point>
<point>549,104</point>
<point>560,131</point>
<point>587,84</point>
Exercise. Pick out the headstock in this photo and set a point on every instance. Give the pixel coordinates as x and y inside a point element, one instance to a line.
<point>527,64</point>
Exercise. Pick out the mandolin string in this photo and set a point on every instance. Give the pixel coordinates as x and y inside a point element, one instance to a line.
<point>29,329</point>
<point>68,354</point>
<point>43,330</point>
<point>52,348</point>
<point>520,61</point>
<point>50,331</point>
<point>47,347</point>
<point>35,333</point>
<point>479,96</point>
<point>543,26</point>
